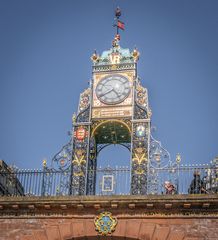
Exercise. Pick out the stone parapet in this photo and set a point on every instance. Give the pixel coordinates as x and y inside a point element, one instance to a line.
<point>165,217</point>
<point>149,205</point>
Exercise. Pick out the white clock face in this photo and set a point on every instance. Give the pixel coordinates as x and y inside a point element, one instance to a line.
<point>113,89</point>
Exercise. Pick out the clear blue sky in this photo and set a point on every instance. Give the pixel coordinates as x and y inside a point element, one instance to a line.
<point>45,49</point>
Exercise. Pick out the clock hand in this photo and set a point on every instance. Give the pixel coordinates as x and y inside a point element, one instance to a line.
<point>110,90</point>
<point>117,92</point>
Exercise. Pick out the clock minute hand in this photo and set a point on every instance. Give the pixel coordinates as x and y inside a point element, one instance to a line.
<point>108,91</point>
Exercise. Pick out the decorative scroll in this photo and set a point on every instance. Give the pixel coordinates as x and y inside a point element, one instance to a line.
<point>159,156</point>
<point>62,160</point>
<point>105,224</point>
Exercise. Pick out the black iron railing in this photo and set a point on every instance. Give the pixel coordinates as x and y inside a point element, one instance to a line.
<point>199,179</point>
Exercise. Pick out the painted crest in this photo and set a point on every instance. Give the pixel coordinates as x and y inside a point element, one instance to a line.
<point>80,133</point>
<point>105,224</point>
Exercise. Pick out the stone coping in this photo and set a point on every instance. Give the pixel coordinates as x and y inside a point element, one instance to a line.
<point>111,198</point>
<point>89,205</point>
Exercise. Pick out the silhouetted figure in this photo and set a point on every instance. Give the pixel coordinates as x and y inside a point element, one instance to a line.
<point>170,188</point>
<point>197,186</point>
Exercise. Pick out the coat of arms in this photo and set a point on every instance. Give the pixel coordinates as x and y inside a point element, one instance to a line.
<point>104,223</point>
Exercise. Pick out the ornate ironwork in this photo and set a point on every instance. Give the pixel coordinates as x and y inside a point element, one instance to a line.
<point>100,147</point>
<point>124,120</point>
<point>84,107</point>
<point>139,158</point>
<point>162,170</point>
<point>140,141</point>
<point>62,160</point>
<point>92,164</point>
<point>159,156</point>
<point>79,160</point>
<point>47,182</point>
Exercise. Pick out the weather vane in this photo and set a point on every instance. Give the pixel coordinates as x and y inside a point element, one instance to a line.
<point>118,24</point>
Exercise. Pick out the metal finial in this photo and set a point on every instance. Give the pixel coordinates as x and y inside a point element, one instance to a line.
<point>178,158</point>
<point>117,12</point>
<point>44,163</point>
<point>118,24</point>
<point>74,118</point>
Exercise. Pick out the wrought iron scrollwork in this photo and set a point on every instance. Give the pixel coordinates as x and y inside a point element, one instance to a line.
<point>62,160</point>
<point>159,156</point>
<point>161,168</point>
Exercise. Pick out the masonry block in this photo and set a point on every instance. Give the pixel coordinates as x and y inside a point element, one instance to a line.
<point>65,230</point>
<point>53,233</point>
<point>132,228</point>
<point>161,233</point>
<point>146,231</point>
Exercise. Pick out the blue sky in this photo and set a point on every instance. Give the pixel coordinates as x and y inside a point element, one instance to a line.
<point>45,50</point>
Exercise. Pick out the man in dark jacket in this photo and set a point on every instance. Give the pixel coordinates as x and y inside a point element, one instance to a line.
<point>197,186</point>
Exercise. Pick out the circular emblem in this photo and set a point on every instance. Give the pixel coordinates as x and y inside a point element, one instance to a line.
<point>104,223</point>
<point>140,131</point>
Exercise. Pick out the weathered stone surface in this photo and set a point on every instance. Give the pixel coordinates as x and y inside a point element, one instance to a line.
<point>161,233</point>
<point>146,231</point>
<point>65,230</point>
<point>53,233</point>
<point>132,228</point>
<point>38,223</point>
<point>78,228</point>
<point>40,235</point>
<point>120,228</point>
<point>176,235</point>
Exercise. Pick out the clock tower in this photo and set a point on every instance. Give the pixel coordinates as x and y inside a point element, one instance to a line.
<point>113,110</point>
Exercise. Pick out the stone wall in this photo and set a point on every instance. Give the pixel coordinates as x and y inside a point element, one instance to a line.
<point>146,229</point>
<point>147,218</point>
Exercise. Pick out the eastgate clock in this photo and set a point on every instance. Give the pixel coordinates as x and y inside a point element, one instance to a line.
<point>113,89</point>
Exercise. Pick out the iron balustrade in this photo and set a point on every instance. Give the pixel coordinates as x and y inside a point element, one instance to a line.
<point>110,181</point>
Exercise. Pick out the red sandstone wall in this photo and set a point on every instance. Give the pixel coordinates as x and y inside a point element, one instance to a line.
<point>146,229</point>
